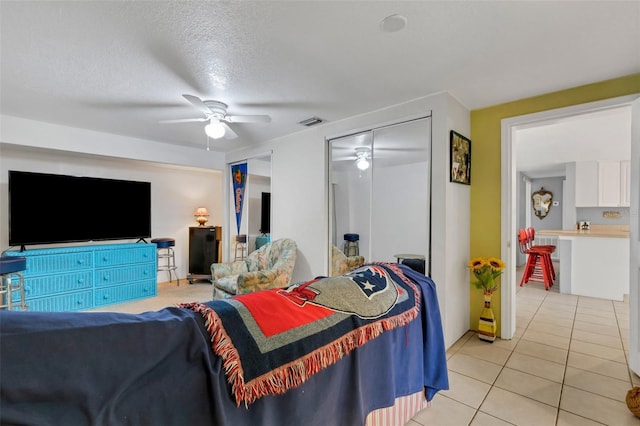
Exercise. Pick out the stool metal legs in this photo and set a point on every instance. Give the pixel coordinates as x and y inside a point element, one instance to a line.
<point>240,250</point>
<point>167,262</point>
<point>8,286</point>
<point>351,248</point>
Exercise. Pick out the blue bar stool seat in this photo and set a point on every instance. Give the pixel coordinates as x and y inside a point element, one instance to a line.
<point>351,246</point>
<point>166,256</point>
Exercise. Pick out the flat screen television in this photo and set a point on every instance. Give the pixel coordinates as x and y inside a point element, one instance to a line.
<point>265,213</point>
<point>50,208</point>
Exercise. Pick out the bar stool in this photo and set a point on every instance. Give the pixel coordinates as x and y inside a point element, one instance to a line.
<point>166,256</point>
<point>351,246</point>
<point>241,245</point>
<point>538,267</point>
<point>549,249</point>
<point>12,266</point>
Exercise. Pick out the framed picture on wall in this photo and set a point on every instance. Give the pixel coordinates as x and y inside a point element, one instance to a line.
<point>460,159</point>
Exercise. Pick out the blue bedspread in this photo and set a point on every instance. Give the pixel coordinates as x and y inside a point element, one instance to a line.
<point>157,368</point>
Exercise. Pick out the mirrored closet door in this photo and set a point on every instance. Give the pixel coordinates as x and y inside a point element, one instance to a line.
<point>380,192</point>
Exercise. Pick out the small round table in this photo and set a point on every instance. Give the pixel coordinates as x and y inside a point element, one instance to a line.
<point>408,256</point>
<point>413,261</point>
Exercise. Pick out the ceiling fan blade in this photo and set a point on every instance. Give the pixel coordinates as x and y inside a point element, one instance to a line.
<point>183,120</point>
<point>228,132</point>
<point>248,118</point>
<point>197,102</point>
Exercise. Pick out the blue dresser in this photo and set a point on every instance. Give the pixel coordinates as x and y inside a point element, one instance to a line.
<point>84,277</point>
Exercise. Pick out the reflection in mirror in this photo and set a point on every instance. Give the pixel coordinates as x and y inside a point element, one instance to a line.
<point>379,192</point>
<point>541,202</point>
<point>255,222</point>
<point>350,196</point>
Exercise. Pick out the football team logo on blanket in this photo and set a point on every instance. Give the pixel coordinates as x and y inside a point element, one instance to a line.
<point>350,294</point>
<point>274,340</point>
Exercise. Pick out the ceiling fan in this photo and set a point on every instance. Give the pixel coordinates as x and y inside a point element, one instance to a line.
<point>215,112</point>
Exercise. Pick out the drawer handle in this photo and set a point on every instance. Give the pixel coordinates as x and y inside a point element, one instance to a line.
<point>27,289</point>
<point>105,297</point>
<point>81,281</point>
<point>79,302</point>
<point>105,258</point>
<point>105,278</point>
<point>80,261</point>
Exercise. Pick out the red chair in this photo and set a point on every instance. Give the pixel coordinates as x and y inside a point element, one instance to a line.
<point>531,235</point>
<point>538,266</point>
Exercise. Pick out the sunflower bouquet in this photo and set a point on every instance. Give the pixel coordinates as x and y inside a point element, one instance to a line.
<point>486,270</point>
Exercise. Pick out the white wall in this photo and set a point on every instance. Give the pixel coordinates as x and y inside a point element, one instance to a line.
<point>300,207</point>
<point>399,206</point>
<point>176,191</point>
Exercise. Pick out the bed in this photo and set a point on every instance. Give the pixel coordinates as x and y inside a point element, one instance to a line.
<point>330,351</point>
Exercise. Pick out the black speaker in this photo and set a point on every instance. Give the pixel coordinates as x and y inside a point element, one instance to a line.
<point>203,250</point>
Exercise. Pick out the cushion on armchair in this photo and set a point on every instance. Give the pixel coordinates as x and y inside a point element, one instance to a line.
<point>271,266</point>
<point>341,263</point>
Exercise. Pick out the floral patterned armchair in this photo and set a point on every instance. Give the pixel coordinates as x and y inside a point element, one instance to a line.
<point>271,266</point>
<point>341,264</point>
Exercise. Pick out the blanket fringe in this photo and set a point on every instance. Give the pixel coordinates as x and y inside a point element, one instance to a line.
<point>297,372</point>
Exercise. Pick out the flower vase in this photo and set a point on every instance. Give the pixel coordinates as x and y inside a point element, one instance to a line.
<point>487,324</point>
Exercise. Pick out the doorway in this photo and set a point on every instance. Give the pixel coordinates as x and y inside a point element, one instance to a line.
<point>510,185</point>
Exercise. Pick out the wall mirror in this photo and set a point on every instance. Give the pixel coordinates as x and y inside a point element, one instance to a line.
<point>255,216</point>
<point>371,173</point>
<point>541,202</point>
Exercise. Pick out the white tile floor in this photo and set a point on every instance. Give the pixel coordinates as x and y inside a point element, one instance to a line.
<point>565,366</point>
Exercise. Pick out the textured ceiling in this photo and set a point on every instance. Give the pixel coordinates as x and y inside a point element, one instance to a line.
<point>121,67</point>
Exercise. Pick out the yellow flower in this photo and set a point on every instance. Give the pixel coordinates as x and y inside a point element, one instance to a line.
<point>477,263</point>
<point>496,264</point>
<point>486,270</point>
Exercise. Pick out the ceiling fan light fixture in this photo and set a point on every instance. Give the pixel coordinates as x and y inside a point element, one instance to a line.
<point>215,129</point>
<point>362,162</point>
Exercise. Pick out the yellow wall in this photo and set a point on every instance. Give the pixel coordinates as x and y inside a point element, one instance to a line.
<point>486,166</point>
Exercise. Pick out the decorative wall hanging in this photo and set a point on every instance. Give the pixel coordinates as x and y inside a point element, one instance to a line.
<point>541,202</point>
<point>460,159</point>
<point>239,179</point>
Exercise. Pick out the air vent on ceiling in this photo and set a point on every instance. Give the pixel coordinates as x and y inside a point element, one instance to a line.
<point>311,121</point>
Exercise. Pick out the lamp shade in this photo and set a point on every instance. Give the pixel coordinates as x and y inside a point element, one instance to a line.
<point>201,214</point>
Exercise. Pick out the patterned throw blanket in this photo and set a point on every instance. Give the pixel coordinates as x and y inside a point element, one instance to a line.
<point>274,340</point>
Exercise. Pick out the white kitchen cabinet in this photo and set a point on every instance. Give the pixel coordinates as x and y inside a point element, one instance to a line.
<point>586,184</point>
<point>625,183</point>
<point>608,183</point>
<point>602,183</point>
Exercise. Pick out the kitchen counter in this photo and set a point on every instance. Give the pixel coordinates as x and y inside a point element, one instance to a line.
<point>598,231</point>
<point>593,263</point>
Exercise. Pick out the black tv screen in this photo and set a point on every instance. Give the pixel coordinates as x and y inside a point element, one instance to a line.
<point>48,208</point>
<point>265,213</point>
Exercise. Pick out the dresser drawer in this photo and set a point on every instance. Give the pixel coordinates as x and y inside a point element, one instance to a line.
<point>45,285</point>
<point>140,254</point>
<point>63,302</point>
<point>123,293</point>
<point>125,274</point>
<point>55,263</point>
